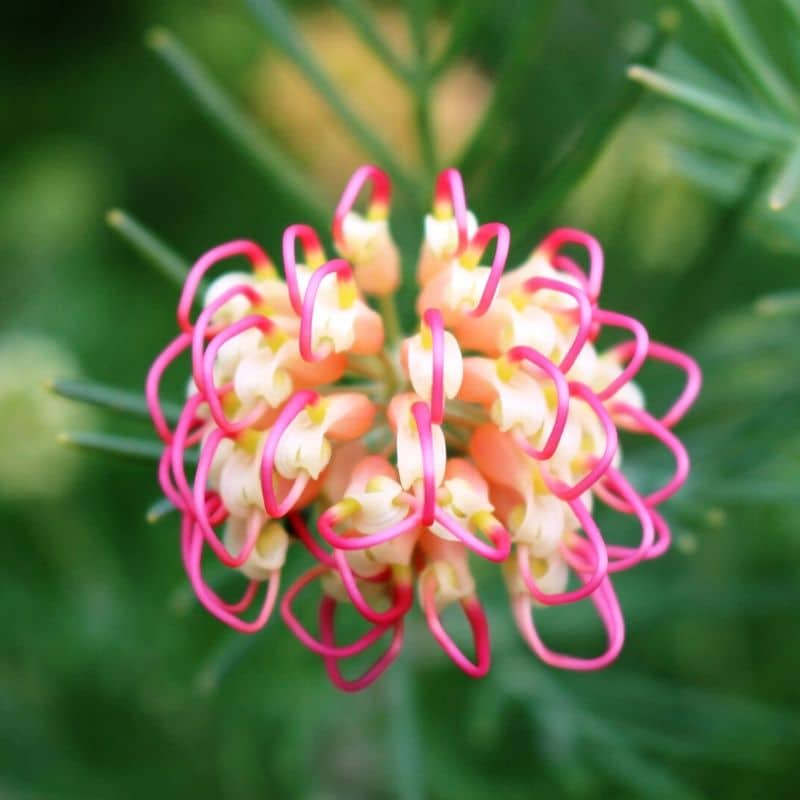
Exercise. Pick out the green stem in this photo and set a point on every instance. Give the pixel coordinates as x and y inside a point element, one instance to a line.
<point>404,735</point>
<point>418,17</point>
<point>241,130</point>
<point>391,321</point>
<point>149,246</point>
<point>364,25</point>
<point>466,22</point>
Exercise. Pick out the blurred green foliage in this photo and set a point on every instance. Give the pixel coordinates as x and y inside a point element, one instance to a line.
<point>112,682</point>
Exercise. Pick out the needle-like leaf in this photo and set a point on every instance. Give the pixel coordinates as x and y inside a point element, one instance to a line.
<point>149,246</point>
<point>745,44</point>
<point>573,163</point>
<point>526,40</point>
<point>281,29</point>
<point>242,131</point>
<point>121,401</point>
<point>124,446</point>
<point>364,24</point>
<point>727,110</point>
<point>466,22</point>
<point>159,509</point>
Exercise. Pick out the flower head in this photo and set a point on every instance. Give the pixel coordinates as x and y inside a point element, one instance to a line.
<point>490,432</point>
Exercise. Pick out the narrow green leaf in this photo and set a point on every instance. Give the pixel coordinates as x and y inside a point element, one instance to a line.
<point>745,44</point>
<point>573,163</point>
<point>124,446</point>
<point>241,130</point>
<point>788,183</point>
<point>715,176</point>
<point>523,49</point>
<point>149,246</point>
<point>466,22</point>
<point>364,24</point>
<point>727,110</point>
<point>418,24</point>
<point>280,28</point>
<point>121,401</point>
<point>159,509</point>
<point>404,733</point>
<point>778,303</point>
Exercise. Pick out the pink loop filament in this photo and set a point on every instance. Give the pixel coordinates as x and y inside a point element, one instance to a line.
<point>380,197</point>
<point>250,250</point>
<point>294,406</point>
<point>343,271</point>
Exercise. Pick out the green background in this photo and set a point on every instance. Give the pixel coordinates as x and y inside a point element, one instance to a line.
<point>114,684</point>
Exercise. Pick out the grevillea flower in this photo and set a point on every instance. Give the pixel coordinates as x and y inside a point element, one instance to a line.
<point>490,432</point>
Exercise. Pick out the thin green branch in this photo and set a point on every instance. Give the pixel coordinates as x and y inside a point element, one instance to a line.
<point>171,265</point>
<point>364,24</point>
<point>404,733</point>
<point>120,401</point>
<point>465,24</point>
<point>242,131</point>
<point>124,446</point>
<point>526,42</point>
<point>727,110</point>
<point>279,26</point>
<point>418,23</point>
<point>745,44</point>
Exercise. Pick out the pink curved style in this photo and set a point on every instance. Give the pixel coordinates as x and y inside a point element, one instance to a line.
<point>561,489</point>
<point>530,356</point>
<point>156,372</point>
<point>294,406</point>
<point>241,247</point>
<point>380,196</point>
<point>343,271</point>
<point>584,309</point>
<point>312,248</point>
<point>321,646</point>
<point>402,600</point>
<point>204,330</point>
<point>433,319</point>
<point>371,674</point>
<point>560,237</point>
<point>449,191</point>
<point>638,348</point>
<point>478,624</point>
<point>668,355</point>
<point>422,417</point>
<point>480,241</point>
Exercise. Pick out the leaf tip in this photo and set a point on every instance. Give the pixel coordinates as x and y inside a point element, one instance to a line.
<point>115,218</point>
<point>158,38</point>
<point>669,19</point>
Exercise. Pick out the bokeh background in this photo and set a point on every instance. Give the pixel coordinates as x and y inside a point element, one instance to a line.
<point>112,682</point>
